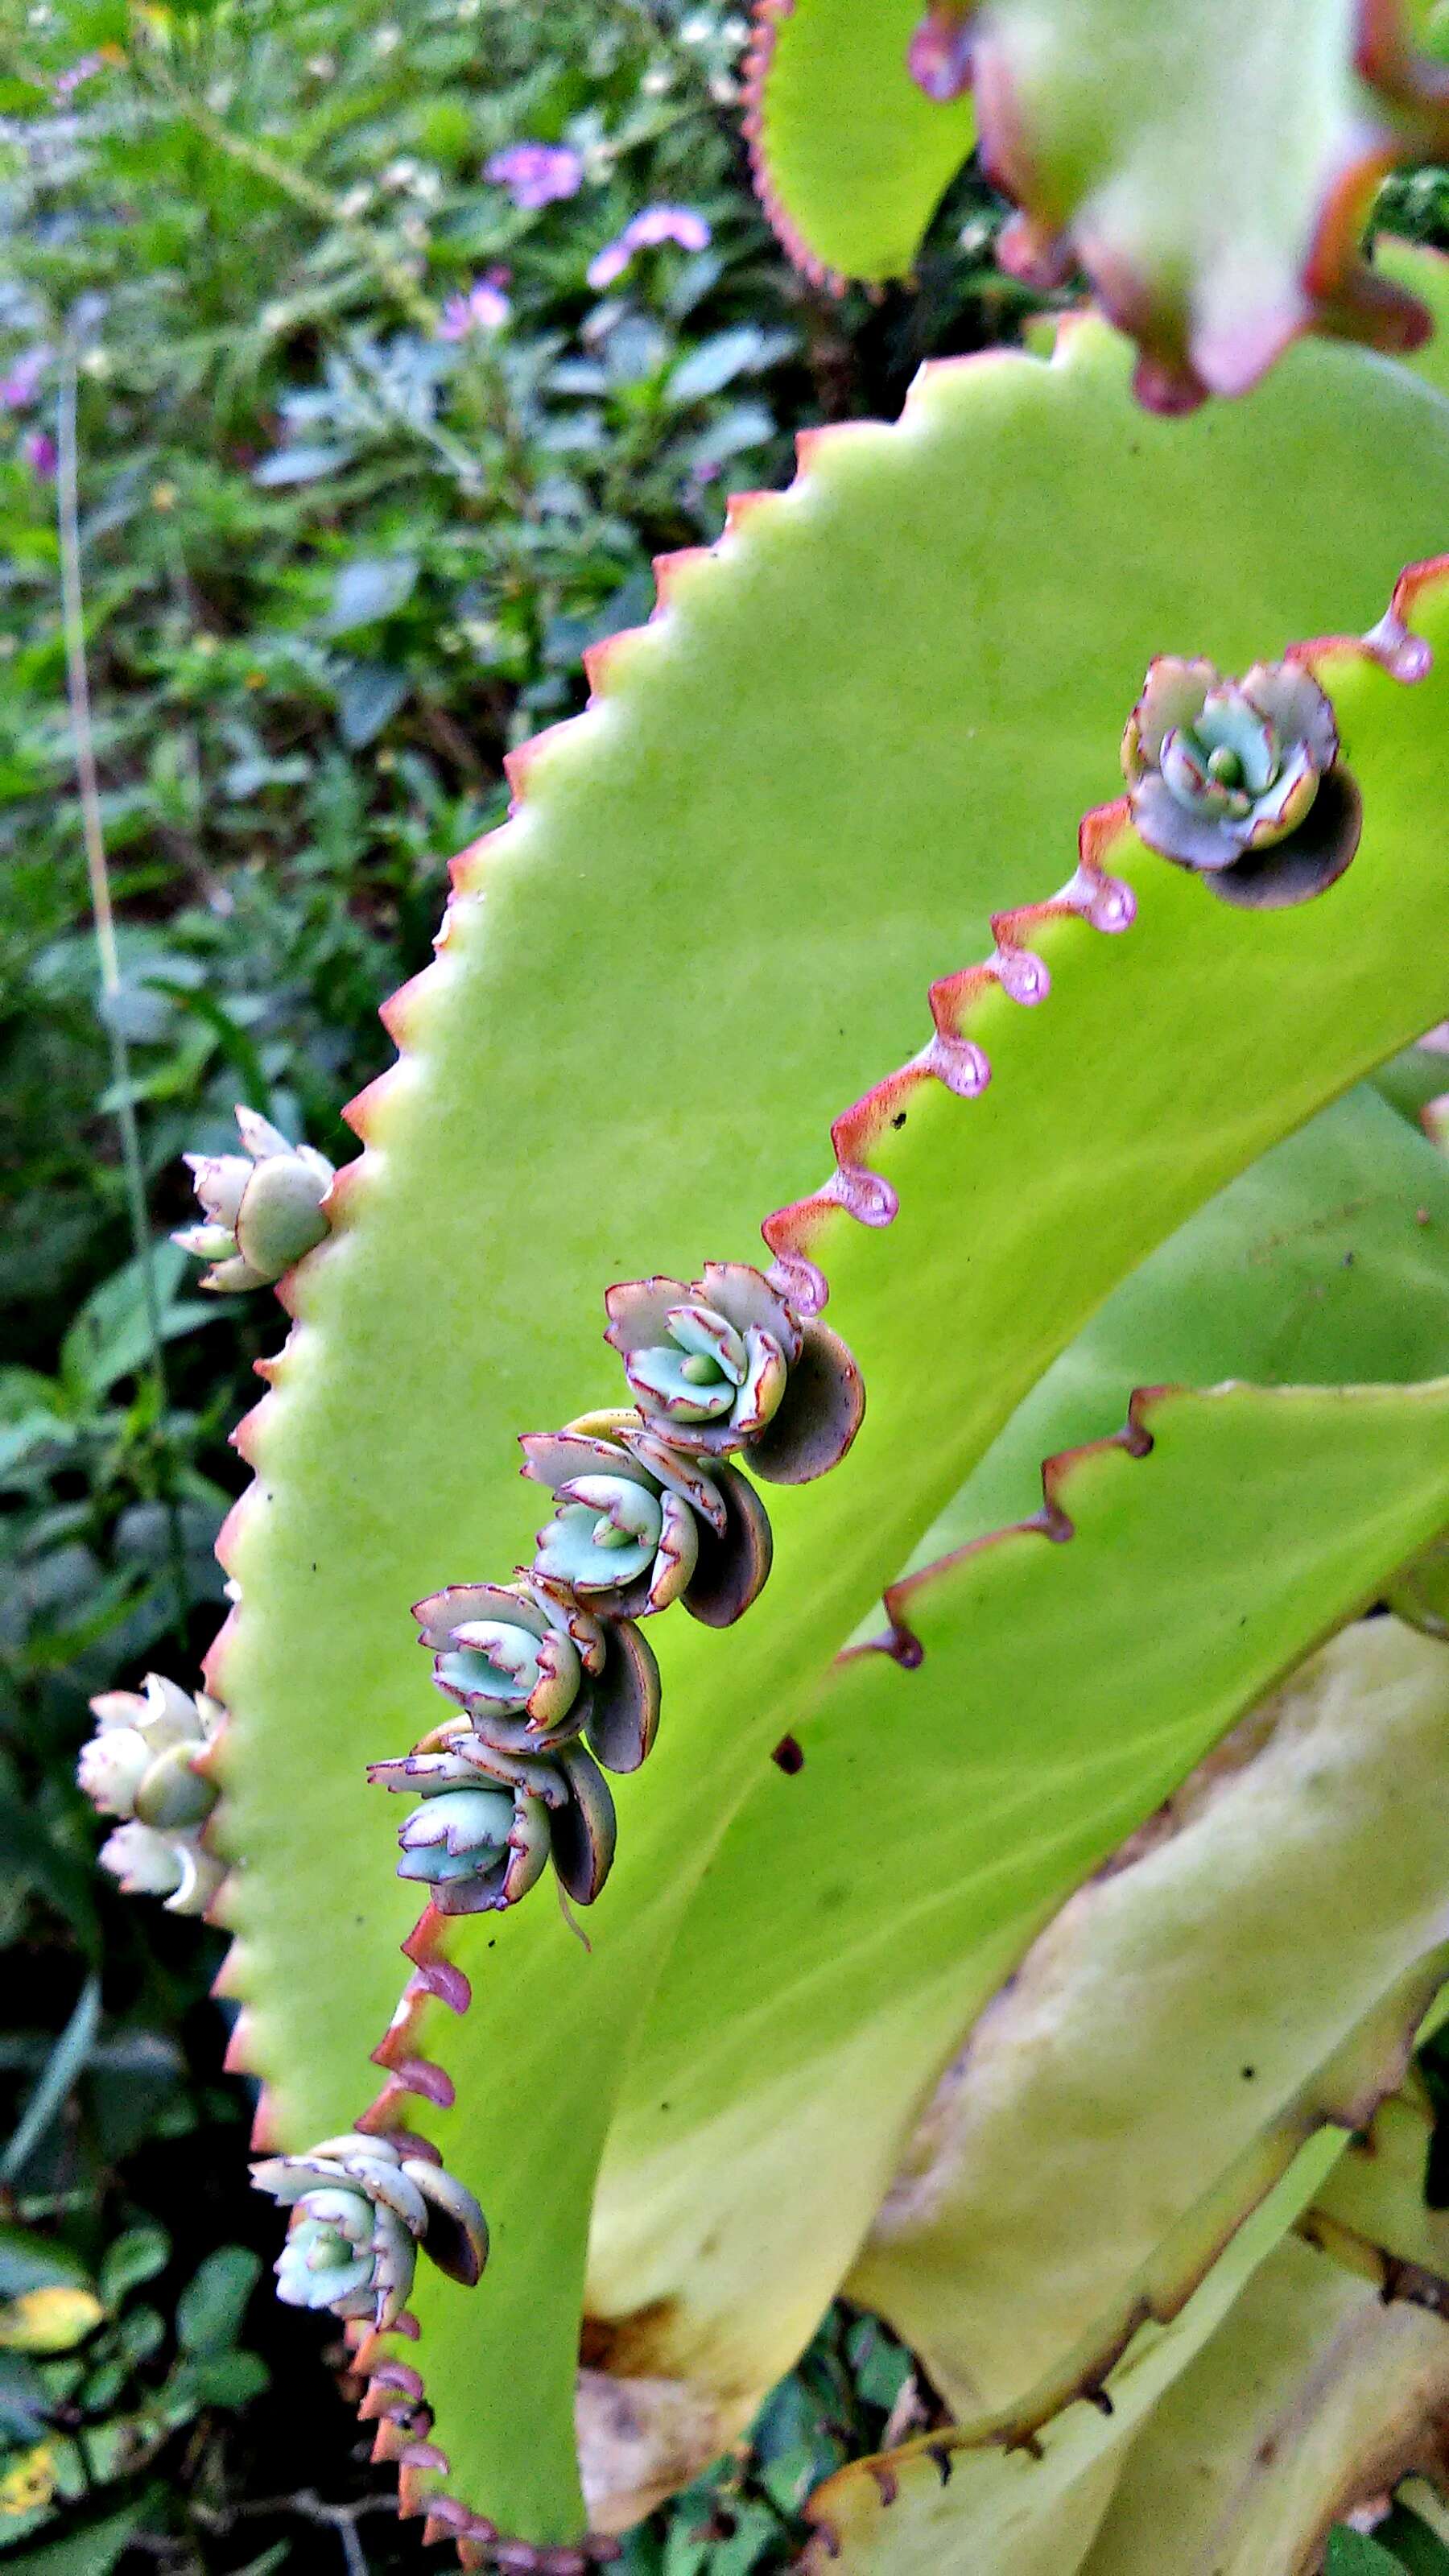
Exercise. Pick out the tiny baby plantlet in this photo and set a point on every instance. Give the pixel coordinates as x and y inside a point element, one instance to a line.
<point>144,1764</point>
<point>1110,1814</point>
<point>263,1208</point>
<point>360,2209</point>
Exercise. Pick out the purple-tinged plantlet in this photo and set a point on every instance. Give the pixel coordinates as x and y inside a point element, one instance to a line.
<point>140,1765</point>
<point>360,2210</point>
<point>491,1819</point>
<point>639,1525</point>
<point>263,1207</point>
<point>1240,780</point>
<point>727,1364</point>
<point>534,1672</point>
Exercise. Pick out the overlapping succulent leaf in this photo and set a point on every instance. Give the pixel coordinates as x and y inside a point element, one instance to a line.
<point>263,1208</point>
<point>140,1765</point>
<point>1313,2396</point>
<point>360,2210</point>
<point>534,1670</point>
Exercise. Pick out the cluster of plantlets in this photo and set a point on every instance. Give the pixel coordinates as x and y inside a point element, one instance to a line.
<point>650,1510</point>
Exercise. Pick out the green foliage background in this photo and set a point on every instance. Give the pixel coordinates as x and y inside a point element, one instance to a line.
<point>335,565</point>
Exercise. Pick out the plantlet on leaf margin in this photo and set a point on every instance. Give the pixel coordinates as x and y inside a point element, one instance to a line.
<point>360,2209</point>
<point>726,1365</point>
<point>263,1208</point>
<point>939,55</point>
<point>1240,780</point>
<point>1097,120</point>
<point>142,1765</point>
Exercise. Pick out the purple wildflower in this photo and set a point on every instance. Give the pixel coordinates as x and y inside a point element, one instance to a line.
<point>646,231</point>
<point>19,388</point>
<point>38,451</point>
<point>536,173</point>
<point>68,82</point>
<point>483,308</point>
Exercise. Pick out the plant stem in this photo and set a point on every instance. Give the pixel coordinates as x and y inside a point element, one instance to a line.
<point>103,913</point>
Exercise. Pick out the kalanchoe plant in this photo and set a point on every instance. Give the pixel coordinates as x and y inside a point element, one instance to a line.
<point>640,1525</point>
<point>831,716</point>
<point>726,1365</point>
<point>263,1208</point>
<point>141,1765</point>
<point>360,2210</point>
<point>1241,780</point>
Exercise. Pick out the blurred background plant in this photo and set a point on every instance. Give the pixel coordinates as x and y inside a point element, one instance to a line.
<point>403,337</point>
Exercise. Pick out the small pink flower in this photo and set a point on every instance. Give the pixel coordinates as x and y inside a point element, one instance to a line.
<point>646,231</point>
<point>38,451</point>
<point>83,69</point>
<point>536,173</point>
<point>483,308</point>
<point>19,388</point>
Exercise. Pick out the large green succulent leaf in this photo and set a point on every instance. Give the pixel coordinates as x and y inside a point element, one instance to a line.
<point>826,1971</point>
<point>850,157</point>
<point>954,2508</point>
<point>1112,126</point>
<point>1311,2396</point>
<point>1326,1263</point>
<point>853,719</point>
<point>1051,2180</point>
